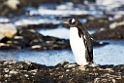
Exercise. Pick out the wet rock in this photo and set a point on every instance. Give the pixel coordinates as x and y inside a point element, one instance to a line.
<point>118,17</point>
<point>38,2</point>
<point>91,0</point>
<point>99,43</point>
<point>38,41</point>
<point>7,30</point>
<point>29,38</point>
<point>115,31</point>
<point>13,72</point>
<point>10,8</point>
<point>35,26</point>
<point>93,22</point>
<point>13,4</point>
<point>62,73</point>
<point>116,24</point>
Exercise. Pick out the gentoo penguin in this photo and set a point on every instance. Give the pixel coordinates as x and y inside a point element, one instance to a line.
<point>81,43</point>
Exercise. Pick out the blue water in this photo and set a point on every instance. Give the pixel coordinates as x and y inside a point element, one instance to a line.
<point>112,53</point>
<point>53,13</point>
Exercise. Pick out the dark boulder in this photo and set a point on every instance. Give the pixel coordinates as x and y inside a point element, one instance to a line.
<point>30,39</point>
<point>10,8</point>
<point>42,25</point>
<point>99,22</point>
<point>116,31</point>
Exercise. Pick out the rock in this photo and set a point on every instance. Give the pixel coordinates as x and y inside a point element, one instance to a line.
<point>13,4</point>
<point>62,73</point>
<point>10,8</point>
<point>99,43</point>
<point>116,24</point>
<point>93,22</point>
<point>116,31</point>
<point>38,2</point>
<point>8,30</point>
<point>2,45</point>
<point>30,34</point>
<point>118,17</point>
<point>34,26</point>
<point>40,42</point>
<point>35,3</point>
<point>91,0</point>
<point>29,38</point>
<point>13,72</point>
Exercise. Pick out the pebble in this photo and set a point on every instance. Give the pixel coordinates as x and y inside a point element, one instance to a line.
<point>12,4</point>
<point>9,62</point>
<point>71,65</point>
<point>27,62</point>
<point>34,71</point>
<point>26,75</point>
<point>6,75</point>
<point>6,70</point>
<point>113,25</point>
<point>13,72</point>
<point>8,30</point>
<point>18,37</point>
<point>36,47</point>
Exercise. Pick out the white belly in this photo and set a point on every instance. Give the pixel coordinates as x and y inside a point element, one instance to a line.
<point>77,45</point>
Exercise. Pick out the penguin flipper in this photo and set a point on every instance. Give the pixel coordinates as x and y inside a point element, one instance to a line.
<point>88,45</point>
<point>89,49</point>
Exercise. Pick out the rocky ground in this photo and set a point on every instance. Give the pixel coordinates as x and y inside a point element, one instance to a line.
<point>28,72</point>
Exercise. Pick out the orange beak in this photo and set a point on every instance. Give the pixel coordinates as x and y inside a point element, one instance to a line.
<point>66,22</point>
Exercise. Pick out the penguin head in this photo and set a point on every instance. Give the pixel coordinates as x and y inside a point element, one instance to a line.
<point>72,22</point>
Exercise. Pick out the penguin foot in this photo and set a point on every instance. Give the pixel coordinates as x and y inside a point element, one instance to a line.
<point>82,67</point>
<point>93,65</point>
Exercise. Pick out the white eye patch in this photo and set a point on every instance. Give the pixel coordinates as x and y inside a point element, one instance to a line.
<point>73,20</point>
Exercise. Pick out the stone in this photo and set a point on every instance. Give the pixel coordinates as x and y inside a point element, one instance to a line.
<point>31,39</point>
<point>13,72</point>
<point>8,30</point>
<point>9,62</point>
<point>115,31</point>
<point>6,70</point>
<point>97,22</point>
<point>12,4</point>
<point>71,65</point>
<point>11,8</point>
